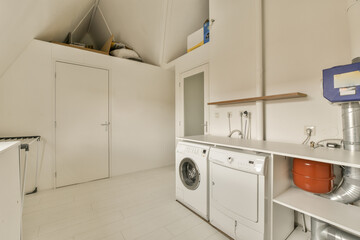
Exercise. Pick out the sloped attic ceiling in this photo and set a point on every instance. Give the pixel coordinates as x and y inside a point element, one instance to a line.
<point>156,29</point>
<point>138,23</point>
<point>23,20</point>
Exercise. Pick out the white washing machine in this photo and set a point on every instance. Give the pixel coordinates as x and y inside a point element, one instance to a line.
<point>237,193</point>
<point>192,177</point>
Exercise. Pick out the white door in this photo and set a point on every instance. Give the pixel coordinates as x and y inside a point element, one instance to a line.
<point>82,124</point>
<point>194,97</point>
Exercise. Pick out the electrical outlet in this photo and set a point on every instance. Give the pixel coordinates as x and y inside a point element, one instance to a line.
<point>229,114</point>
<point>217,115</point>
<point>312,128</point>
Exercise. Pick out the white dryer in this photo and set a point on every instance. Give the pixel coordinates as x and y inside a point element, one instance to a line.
<point>237,193</point>
<point>192,177</point>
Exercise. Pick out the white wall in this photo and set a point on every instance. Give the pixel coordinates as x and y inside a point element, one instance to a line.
<point>27,102</point>
<point>22,20</point>
<point>219,122</point>
<point>142,103</point>
<point>233,46</point>
<point>143,117</point>
<point>301,39</point>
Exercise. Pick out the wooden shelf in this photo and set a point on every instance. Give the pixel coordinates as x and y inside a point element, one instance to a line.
<point>265,98</point>
<point>340,215</point>
<point>82,48</point>
<point>104,50</point>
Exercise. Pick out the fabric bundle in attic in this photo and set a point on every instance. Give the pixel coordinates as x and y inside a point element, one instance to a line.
<point>122,51</point>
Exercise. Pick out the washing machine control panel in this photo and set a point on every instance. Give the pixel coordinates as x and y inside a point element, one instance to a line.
<point>192,150</point>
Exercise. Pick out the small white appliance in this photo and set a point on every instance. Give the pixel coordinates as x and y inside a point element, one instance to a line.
<point>192,177</point>
<point>237,193</point>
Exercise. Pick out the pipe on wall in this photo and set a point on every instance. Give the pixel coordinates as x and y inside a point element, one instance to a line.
<point>260,118</point>
<point>323,231</point>
<point>351,125</point>
<point>349,189</point>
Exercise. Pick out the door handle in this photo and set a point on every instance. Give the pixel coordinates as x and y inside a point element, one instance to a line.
<point>106,124</point>
<point>206,126</point>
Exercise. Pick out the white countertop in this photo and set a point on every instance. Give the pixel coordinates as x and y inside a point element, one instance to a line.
<point>4,146</point>
<point>333,156</point>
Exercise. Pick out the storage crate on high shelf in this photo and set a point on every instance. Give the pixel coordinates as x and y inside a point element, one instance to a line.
<point>199,38</point>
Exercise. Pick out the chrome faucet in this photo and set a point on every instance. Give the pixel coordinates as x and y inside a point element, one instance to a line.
<point>234,131</point>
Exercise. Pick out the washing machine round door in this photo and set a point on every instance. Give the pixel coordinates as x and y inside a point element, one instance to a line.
<point>189,174</point>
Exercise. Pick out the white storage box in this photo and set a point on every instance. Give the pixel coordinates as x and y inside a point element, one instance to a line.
<point>195,40</point>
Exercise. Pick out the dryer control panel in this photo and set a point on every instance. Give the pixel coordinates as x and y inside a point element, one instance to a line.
<point>236,159</point>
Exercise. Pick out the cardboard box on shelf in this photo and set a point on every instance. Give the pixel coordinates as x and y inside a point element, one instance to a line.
<point>195,40</point>
<point>199,38</point>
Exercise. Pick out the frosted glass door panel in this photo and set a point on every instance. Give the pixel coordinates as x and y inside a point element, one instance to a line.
<point>82,116</point>
<point>194,105</point>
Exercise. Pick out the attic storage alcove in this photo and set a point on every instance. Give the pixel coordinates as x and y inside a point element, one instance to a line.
<point>92,30</point>
<point>92,33</point>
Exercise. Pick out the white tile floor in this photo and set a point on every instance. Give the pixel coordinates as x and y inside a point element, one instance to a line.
<point>131,207</point>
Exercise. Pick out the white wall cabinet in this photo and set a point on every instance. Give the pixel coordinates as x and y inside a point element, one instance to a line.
<point>232,52</point>
<point>10,200</point>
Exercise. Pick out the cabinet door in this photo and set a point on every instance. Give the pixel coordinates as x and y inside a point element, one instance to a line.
<point>82,122</point>
<point>10,200</point>
<point>232,54</point>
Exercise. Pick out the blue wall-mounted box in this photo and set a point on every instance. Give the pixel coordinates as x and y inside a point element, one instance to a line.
<point>206,31</point>
<point>342,83</point>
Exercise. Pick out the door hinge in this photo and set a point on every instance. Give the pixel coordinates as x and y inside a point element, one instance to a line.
<point>55,124</point>
<point>55,74</point>
<point>55,174</point>
<point>179,84</point>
